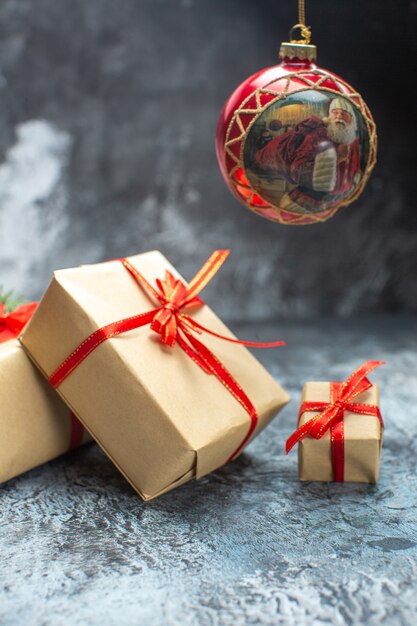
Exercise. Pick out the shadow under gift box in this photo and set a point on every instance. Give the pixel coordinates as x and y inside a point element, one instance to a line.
<point>159,417</point>
<point>35,425</point>
<point>362,440</point>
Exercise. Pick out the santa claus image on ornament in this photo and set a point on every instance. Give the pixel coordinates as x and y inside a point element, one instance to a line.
<point>307,153</point>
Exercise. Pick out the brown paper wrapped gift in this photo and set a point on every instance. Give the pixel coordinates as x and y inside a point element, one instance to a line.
<point>35,425</point>
<point>155,412</point>
<point>362,441</point>
<point>340,429</point>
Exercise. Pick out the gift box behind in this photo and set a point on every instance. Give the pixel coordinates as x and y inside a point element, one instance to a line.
<point>159,417</point>
<point>35,425</point>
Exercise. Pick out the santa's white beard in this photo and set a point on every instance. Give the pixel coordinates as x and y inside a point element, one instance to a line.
<point>341,134</point>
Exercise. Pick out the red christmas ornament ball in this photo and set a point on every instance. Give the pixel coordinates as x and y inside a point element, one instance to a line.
<point>294,141</point>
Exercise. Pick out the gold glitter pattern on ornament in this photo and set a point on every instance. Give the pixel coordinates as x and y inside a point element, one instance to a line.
<point>238,137</point>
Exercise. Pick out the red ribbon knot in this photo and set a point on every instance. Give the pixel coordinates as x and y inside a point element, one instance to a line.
<point>174,326</point>
<point>331,414</point>
<point>171,306</point>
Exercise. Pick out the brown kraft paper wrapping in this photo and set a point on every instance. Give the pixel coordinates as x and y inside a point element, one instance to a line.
<point>35,425</point>
<point>158,416</point>
<point>362,440</point>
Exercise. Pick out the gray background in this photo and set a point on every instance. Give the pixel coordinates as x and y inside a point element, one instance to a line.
<point>108,111</point>
<point>107,120</point>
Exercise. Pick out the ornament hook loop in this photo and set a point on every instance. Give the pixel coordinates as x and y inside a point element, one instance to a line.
<point>305,34</point>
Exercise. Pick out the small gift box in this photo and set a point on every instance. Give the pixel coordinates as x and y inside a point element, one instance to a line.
<point>340,429</point>
<point>35,425</point>
<point>168,405</point>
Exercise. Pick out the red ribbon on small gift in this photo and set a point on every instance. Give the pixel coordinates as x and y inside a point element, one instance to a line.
<point>11,325</point>
<point>174,327</point>
<point>332,413</point>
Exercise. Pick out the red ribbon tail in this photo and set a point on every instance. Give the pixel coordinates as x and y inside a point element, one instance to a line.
<point>301,432</point>
<point>357,381</point>
<point>250,344</point>
<point>206,273</point>
<point>226,378</point>
<point>141,281</point>
<point>193,355</point>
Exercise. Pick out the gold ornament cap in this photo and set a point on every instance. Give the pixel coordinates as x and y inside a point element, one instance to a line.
<point>302,52</point>
<point>300,49</point>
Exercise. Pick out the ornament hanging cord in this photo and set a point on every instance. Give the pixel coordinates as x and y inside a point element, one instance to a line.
<point>301,12</point>
<point>305,30</point>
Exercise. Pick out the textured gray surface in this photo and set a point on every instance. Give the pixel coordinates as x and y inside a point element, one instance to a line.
<point>246,545</point>
<point>107,120</point>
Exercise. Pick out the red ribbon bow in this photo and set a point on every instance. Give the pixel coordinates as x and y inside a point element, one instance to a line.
<point>174,326</point>
<point>332,414</point>
<point>11,324</point>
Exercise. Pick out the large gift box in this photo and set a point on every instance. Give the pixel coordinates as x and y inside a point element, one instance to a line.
<point>35,425</point>
<point>123,343</point>
<point>340,429</point>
